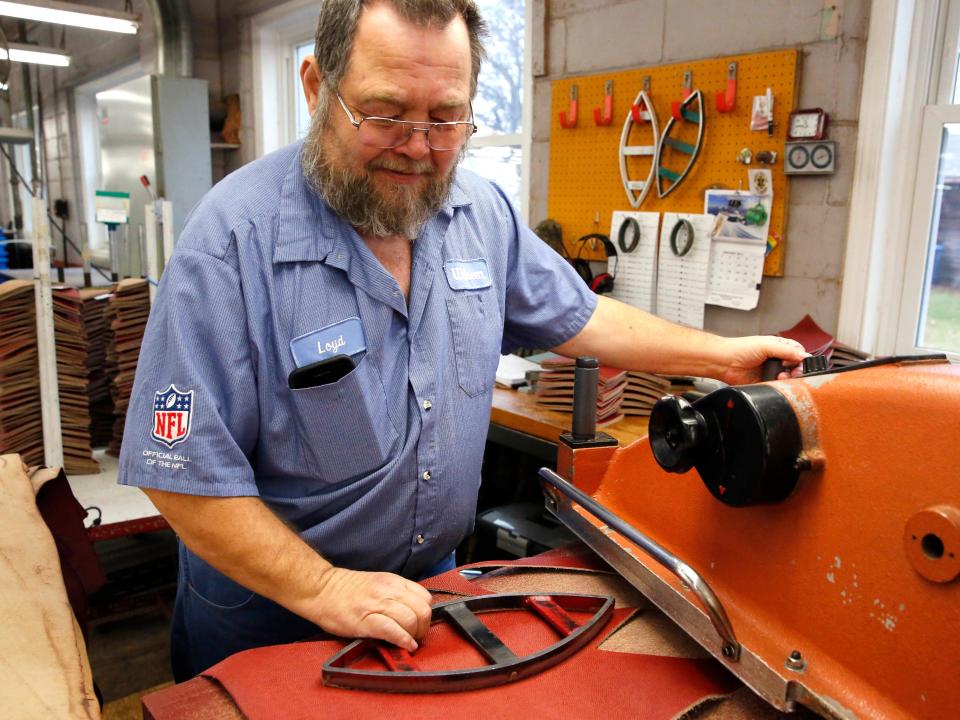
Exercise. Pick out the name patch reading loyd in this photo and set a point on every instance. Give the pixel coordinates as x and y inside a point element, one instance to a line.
<point>467,274</point>
<point>342,338</point>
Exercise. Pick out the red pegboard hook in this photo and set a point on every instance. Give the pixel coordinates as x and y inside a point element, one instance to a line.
<point>727,100</point>
<point>605,116</point>
<point>638,110</point>
<point>568,119</point>
<point>684,94</point>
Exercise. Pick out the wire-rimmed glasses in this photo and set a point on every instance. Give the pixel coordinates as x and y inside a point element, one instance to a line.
<point>387,133</point>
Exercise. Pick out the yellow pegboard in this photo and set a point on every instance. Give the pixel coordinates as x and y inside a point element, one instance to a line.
<point>585,186</point>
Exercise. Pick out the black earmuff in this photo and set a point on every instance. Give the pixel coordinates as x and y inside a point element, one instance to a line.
<point>603,282</point>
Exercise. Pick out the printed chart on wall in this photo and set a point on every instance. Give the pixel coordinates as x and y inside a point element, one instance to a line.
<point>685,242</point>
<point>634,236</point>
<point>654,140</point>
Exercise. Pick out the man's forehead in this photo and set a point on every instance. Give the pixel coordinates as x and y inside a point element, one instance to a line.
<point>392,95</point>
<point>386,39</point>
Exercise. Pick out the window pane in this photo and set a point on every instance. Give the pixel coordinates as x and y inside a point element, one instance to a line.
<point>501,164</point>
<point>499,101</point>
<point>939,326</point>
<point>302,113</point>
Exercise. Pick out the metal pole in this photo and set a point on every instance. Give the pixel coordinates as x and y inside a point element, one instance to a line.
<point>46,347</point>
<point>141,252</point>
<point>114,259</point>
<point>586,375</point>
<point>153,253</point>
<point>85,254</point>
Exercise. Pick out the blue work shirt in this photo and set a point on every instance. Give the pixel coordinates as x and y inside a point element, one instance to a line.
<point>380,469</point>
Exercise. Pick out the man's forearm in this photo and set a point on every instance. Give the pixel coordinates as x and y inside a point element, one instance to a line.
<point>244,540</point>
<point>626,337</point>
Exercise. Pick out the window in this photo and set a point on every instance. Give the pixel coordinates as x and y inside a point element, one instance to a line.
<point>496,152</point>
<point>302,112</point>
<point>283,36</point>
<point>929,317</point>
<point>901,284</point>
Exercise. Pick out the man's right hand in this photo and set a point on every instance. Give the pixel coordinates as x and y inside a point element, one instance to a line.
<point>378,605</point>
<point>272,560</point>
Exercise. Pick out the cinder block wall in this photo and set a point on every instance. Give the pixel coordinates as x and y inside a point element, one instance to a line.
<point>585,37</point>
<point>579,37</point>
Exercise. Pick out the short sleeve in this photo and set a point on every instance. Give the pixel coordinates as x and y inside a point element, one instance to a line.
<point>547,303</point>
<point>192,422</point>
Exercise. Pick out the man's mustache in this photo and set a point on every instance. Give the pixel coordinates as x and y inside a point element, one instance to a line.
<point>420,167</point>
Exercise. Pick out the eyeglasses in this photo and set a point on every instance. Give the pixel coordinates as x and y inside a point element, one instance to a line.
<point>386,133</point>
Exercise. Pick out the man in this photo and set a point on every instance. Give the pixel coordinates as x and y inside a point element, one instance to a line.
<point>308,507</point>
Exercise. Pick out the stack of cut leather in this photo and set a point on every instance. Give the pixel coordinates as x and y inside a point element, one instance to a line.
<point>818,341</point>
<point>73,380</point>
<point>554,388</point>
<point>21,421</point>
<point>642,392</point>
<point>98,389</point>
<point>126,316</point>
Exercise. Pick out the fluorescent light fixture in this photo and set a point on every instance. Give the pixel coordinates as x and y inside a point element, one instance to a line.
<point>62,13</point>
<point>36,54</point>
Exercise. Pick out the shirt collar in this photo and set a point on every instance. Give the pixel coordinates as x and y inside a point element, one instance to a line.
<point>310,230</point>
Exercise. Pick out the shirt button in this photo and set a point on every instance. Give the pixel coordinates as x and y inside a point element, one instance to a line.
<point>426,474</point>
<point>419,539</point>
<point>427,404</point>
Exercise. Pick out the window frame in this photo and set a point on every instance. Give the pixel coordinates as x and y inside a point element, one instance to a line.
<point>276,34</point>
<point>909,67</point>
<point>926,201</point>
<point>524,138</point>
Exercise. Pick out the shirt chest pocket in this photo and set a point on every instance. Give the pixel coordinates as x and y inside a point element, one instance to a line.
<point>476,329</point>
<point>344,428</point>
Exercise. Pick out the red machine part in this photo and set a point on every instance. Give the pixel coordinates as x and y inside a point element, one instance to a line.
<point>835,604</point>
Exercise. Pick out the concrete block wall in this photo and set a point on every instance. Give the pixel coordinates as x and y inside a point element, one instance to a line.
<point>580,37</point>
<point>585,37</point>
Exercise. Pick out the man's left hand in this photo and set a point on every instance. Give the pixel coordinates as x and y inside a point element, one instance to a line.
<point>747,355</point>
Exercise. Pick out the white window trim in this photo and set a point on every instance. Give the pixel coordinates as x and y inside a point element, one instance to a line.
<point>533,10</point>
<point>925,210</point>
<point>901,75</point>
<point>275,33</point>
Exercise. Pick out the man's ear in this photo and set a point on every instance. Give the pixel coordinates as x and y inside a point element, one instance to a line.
<point>311,78</point>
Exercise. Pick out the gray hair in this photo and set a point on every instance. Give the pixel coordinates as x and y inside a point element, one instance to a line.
<point>337,28</point>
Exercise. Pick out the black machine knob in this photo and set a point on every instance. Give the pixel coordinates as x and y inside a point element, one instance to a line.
<point>676,431</point>
<point>814,363</point>
<point>744,442</point>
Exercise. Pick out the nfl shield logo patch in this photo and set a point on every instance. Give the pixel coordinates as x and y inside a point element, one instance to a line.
<point>172,411</point>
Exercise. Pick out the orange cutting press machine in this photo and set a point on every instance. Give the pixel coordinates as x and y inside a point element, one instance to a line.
<point>806,531</point>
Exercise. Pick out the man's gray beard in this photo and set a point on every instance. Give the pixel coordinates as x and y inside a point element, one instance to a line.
<point>400,210</point>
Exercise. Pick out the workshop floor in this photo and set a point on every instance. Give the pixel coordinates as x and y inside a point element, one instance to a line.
<point>129,643</point>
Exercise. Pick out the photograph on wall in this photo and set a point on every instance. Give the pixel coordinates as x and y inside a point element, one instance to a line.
<point>745,216</point>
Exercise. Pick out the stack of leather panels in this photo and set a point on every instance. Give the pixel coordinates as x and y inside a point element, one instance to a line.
<point>21,422</point>
<point>73,380</point>
<point>126,315</point>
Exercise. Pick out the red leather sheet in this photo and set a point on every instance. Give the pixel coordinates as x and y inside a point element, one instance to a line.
<point>574,557</point>
<point>283,681</point>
